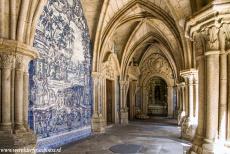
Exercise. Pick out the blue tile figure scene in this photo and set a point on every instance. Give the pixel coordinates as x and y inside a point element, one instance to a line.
<point>60,81</point>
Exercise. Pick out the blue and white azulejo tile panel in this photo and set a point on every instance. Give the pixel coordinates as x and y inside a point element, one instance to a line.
<point>60,79</point>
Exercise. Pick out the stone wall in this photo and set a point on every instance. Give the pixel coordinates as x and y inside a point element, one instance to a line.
<point>60,82</point>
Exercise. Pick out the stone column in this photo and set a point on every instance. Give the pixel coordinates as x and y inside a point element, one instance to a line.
<point>183,99</point>
<point>212,99</point>
<point>223,97</point>
<point>198,140</point>
<point>7,61</point>
<point>123,95</point>
<point>228,130</point>
<point>97,119</point>
<point>178,102</point>
<point>170,101</point>
<point>181,110</point>
<point>19,73</point>
<point>103,102</point>
<point>190,123</point>
<point>95,77</point>
<point>26,94</point>
<point>14,130</point>
<point>117,100</point>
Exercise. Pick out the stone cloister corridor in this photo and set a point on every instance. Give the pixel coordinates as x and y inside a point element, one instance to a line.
<point>155,136</point>
<point>102,76</point>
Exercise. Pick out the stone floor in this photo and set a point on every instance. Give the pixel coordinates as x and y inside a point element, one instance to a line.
<point>155,136</point>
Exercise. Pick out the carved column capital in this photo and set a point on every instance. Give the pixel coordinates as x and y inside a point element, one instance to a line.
<point>6,60</point>
<point>181,84</point>
<point>124,84</point>
<point>210,35</point>
<point>22,62</point>
<point>189,75</point>
<point>96,76</point>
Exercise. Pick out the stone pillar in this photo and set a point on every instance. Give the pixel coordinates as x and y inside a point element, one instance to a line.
<point>14,61</point>
<point>117,100</point>
<point>124,85</point>
<point>223,97</point>
<point>97,119</point>
<point>170,101</point>
<point>198,140</point>
<point>228,130</point>
<point>212,100</point>
<point>190,123</point>
<point>181,110</point>
<point>103,104</point>
<point>178,102</point>
<point>19,73</point>
<point>132,95</point>
<point>25,96</point>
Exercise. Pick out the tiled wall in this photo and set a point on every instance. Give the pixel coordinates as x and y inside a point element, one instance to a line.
<point>60,80</point>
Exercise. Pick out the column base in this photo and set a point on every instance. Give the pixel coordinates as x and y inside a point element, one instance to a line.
<point>124,117</point>
<point>188,128</point>
<point>98,124</point>
<point>197,145</point>
<point>24,142</point>
<point>180,118</point>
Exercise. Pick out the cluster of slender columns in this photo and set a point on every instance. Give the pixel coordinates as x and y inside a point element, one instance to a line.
<point>181,102</point>
<point>17,28</point>
<point>98,120</point>
<point>119,96</point>
<point>124,86</point>
<point>189,122</point>
<point>14,78</point>
<point>211,48</point>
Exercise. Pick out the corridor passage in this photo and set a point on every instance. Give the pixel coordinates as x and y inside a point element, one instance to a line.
<point>155,136</point>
